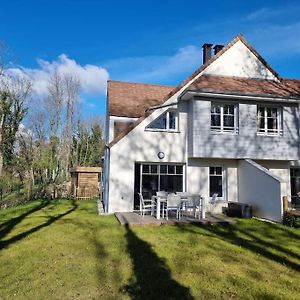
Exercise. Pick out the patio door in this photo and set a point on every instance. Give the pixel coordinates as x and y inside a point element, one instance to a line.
<point>151,178</point>
<point>217,182</point>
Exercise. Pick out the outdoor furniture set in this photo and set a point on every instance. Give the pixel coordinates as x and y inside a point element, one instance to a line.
<point>183,204</point>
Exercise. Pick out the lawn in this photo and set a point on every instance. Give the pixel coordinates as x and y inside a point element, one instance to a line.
<point>64,250</point>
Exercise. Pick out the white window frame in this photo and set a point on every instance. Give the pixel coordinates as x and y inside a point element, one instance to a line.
<point>167,129</point>
<point>158,173</point>
<point>266,131</point>
<point>221,128</point>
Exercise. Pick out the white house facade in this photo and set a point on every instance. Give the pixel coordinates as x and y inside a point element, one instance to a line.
<point>231,128</point>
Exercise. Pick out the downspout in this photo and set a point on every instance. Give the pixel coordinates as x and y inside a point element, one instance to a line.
<point>106,178</point>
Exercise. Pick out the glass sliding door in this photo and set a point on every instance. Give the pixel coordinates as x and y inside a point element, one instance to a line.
<point>149,180</point>
<point>160,177</point>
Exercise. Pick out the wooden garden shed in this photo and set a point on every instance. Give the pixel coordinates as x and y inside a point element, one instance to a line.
<point>85,182</point>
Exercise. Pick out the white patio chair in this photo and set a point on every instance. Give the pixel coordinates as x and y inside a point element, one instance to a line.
<point>183,195</point>
<point>147,205</point>
<point>192,204</point>
<point>173,204</point>
<point>213,202</point>
<point>163,196</point>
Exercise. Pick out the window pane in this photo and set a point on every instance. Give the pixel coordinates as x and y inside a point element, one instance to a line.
<point>296,172</point>
<point>215,186</point>
<point>163,169</point>
<point>145,168</point>
<point>172,120</point>
<point>216,108</point>
<point>149,185</point>
<point>272,112</point>
<point>159,123</point>
<point>171,183</point>
<point>261,111</point>
<point>154,169</point>
<point>228,109</point>
<point>272,124</point>
<point>218,170</point>
<point>179,169</point>
<point>171,169</point>
<point>215,120</point>
<point>212,170</point>
<point>229,121</point>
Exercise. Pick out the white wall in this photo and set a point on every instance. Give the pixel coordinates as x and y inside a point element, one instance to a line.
<point>142,145</point>
<point>198,176</point>
<point>241,62</point>
<point>260,188</point>
<point>280,169</point>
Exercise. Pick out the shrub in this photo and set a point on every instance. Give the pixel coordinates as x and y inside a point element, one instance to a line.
<point>290,219</point>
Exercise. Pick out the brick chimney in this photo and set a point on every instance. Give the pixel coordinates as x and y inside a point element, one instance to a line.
<point>207,50</point>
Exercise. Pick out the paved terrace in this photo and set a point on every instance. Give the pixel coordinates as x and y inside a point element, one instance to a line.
<point>134,219</point>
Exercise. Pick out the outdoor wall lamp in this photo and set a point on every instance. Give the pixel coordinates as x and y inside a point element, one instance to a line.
<point>160,155</point>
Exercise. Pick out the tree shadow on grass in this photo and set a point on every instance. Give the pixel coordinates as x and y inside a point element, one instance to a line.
<point>152,278</point>
<point>249,241</point>
<point>7,227</point>
<point>51,220</point>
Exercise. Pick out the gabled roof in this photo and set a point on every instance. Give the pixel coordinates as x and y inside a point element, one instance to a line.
<point>246,86</point>
<point>193,77</point>
<point>128,99</point>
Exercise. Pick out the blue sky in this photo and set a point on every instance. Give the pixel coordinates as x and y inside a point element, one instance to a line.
<point>142,41</point>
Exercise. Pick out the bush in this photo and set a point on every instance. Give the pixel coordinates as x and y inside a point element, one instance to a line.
<point>290,219</point>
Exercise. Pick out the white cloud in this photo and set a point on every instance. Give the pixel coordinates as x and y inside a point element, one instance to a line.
<point>93,78</point>
<point>264,14</point>
<point>278,40</point>
<point>157,68</point>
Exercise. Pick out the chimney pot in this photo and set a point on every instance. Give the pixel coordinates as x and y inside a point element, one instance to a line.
<point>207,49</point>
<point>217,48</point>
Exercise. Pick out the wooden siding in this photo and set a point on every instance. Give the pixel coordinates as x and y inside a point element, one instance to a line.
<point>85,182</point>
<point>245,144</point>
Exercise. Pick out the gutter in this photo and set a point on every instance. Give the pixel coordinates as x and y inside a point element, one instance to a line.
<point>188,94</point>
<point>106,176</point>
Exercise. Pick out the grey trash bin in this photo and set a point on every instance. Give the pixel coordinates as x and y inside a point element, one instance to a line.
<point>240,210</point>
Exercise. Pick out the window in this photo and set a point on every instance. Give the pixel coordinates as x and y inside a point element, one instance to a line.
<point>224,118</point>
<point>161,177</point>
<point>167,121</point>
<point>269,120</point>
<point>295,181</point>
<point>216,181</point>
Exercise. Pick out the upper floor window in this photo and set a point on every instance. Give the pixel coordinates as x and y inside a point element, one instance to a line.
<point>269,120</point>
<point>167,121</point>
<point>224,117</point>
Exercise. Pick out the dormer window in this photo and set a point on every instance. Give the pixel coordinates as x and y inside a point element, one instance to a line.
<point>224,117</point>
<point>167,121</point>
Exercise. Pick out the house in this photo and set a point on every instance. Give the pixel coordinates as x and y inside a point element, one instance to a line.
<point>231,128</point>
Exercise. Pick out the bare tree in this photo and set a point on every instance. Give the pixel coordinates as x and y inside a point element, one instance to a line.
<point>72,92</point>
<point>54,102</point>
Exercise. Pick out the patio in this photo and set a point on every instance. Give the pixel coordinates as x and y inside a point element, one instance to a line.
<point>135,219</point>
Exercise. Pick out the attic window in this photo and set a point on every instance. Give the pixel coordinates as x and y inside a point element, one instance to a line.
<point>167,121</point>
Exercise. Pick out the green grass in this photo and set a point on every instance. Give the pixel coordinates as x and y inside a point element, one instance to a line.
<point>64,250</point>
